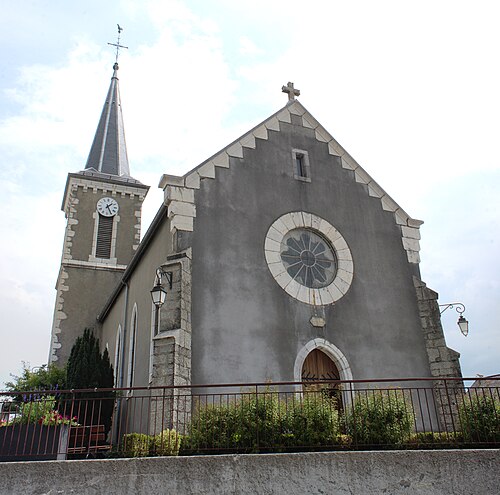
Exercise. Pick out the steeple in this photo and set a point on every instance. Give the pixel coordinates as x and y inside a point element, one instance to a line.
<point>108,154</point>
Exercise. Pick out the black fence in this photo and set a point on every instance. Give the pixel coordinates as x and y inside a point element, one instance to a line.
<point>251,418</point>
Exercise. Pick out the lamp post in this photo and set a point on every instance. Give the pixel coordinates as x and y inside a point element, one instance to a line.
<point>158,292</point>
<point>462,323</point>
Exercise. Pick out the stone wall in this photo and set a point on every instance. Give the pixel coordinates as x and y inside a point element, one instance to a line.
<point>171,353</point>
<point>390,472</point>
<point>443,361</point>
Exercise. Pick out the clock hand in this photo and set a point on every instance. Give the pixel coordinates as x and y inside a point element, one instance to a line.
<point>107,206</point>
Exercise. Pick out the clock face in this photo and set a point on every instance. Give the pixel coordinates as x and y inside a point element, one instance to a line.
<point>107,207</point>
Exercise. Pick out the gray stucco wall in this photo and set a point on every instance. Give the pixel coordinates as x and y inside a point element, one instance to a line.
<point>126,227</point>
<point>139,286</point>
<point>392,472</point>
<point>245,327</point>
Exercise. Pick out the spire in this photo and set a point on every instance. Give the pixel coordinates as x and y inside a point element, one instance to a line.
<point>108,154</point>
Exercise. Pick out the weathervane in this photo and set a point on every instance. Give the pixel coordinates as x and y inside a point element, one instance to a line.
<point>117,44</point>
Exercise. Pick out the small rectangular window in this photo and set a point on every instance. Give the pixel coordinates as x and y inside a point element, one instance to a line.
<point>104,236</point>
<point>302,169</point>
<point>299,159</point>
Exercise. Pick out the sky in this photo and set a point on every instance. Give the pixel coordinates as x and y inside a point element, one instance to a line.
<point>409,89</point>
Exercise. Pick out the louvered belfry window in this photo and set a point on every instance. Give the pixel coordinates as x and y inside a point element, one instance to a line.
<point>104,235</point>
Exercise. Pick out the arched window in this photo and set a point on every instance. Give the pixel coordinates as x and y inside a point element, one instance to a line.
<point>131,348</point>
<point>118,353</point>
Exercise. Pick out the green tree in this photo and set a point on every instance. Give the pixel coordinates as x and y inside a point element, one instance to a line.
<point>88,368</point>
<point>44,378</point>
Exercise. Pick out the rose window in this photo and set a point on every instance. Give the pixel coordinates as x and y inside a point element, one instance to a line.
<point>308,258</point>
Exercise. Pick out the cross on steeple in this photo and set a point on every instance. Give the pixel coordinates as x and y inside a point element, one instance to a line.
<point>117,44</point>
<point>292,92</point>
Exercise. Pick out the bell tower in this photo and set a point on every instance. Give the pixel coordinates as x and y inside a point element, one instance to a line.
<point>102,205</point>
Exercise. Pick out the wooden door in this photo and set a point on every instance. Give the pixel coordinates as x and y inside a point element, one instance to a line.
<point>319,367</point>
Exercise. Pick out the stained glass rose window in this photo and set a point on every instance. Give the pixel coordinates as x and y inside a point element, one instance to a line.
<point>308,258</point>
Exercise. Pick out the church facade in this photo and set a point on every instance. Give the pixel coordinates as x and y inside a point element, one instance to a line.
<point>283,260</point>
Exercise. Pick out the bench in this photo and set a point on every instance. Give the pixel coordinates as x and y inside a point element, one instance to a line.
<point>88,440</point>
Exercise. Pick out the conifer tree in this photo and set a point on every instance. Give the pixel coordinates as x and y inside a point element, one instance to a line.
<point>88,368</point>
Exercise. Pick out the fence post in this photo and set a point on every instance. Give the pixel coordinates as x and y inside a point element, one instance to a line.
<point>257,417</point>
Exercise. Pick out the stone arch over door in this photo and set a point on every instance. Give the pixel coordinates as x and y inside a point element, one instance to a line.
<point>332,352</point>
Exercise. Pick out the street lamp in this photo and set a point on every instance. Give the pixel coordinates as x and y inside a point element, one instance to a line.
<point>158,292</point>
<point>462,323</point>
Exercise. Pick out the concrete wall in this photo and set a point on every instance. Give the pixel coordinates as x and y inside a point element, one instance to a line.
<point>245,326</point>
<point>393,472</point>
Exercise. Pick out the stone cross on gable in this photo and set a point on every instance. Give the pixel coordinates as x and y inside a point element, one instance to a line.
<point>292,93</point>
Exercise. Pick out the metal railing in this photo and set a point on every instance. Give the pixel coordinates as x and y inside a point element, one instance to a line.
<point>255,417</point>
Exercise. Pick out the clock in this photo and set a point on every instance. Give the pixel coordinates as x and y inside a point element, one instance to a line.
<point>107,207</point>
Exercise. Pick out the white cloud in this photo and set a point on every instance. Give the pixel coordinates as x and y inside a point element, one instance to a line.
<point>248,47</point>
<point>412,96</point>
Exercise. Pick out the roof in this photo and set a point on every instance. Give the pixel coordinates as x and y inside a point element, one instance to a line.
<point>178,186</point>
<point>108,153</point>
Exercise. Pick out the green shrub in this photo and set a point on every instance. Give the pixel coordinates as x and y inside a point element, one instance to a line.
<point>480,419</point>
<point>168,442</point>
<point>136,445</point>
<point>379,418</point>
<point>313,421</point>
<point>256,422</point>
<point>242,425</point>
<point>208,429</point>
<point>264,423</point>
<point>429,440</point>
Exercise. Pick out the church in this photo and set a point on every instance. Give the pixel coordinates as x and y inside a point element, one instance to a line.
<point>279,258</point>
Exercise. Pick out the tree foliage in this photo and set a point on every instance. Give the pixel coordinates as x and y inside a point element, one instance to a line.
<point>43,378</point>
<point>88,368</point>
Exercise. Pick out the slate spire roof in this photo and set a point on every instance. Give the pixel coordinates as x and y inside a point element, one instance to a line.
<point>108,154</point>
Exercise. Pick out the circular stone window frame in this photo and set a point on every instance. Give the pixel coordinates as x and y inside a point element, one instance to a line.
<point>345,266</point>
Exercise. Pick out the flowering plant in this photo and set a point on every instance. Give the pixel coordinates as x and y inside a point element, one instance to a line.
<point>3,423</point>
<point>54,418</point>
<point>41,410</point>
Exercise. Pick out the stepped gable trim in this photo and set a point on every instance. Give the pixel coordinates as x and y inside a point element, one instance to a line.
<point>179,190</point>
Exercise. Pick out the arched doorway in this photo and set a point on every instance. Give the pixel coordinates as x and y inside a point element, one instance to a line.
<point>335,355</point>
<point>319,367</point>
